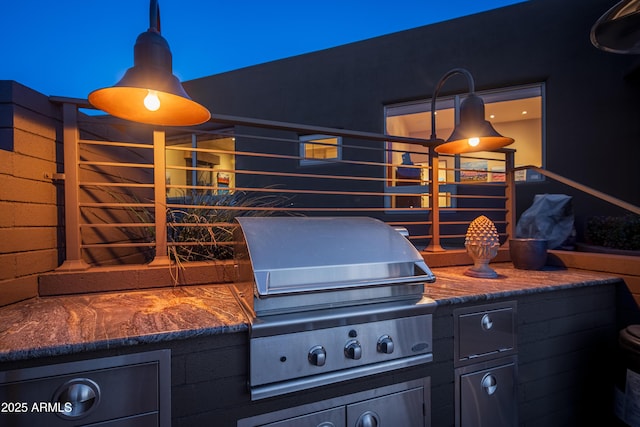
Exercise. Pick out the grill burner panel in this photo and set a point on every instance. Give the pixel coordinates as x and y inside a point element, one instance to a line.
<point>300,360</point>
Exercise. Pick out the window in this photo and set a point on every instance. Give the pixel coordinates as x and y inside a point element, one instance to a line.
<point>203,165</point>
<point>515,112</point>
<point>318,149</point>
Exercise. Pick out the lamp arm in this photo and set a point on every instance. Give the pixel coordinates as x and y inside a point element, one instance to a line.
<point>444,78</point>
<point>154,16</point>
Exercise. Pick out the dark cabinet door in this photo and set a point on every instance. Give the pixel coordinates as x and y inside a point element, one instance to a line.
<point>488,397</point>
<point>399,409</point>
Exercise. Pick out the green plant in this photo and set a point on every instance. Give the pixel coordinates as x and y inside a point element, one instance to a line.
<point>618,232</point>
<point>205,231</point>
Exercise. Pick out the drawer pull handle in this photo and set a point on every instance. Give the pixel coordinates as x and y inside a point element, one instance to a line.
<point>489,384</point>
<point>78,397</point>
<point>368,419</point>
<point>486,322</point>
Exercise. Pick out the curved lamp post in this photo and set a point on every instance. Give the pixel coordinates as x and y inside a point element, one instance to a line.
<point>149,92</point>
<point>472,133</point>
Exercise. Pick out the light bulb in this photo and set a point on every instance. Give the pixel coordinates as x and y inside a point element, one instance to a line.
<point>151,101</point>
<point>474,141</point>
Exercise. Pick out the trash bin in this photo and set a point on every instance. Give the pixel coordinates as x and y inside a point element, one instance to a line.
<point>627,393</point>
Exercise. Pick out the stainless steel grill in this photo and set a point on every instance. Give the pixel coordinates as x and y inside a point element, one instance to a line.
<point>331,299</point>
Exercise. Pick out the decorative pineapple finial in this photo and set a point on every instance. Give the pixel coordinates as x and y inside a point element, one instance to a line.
<point>482,242</point>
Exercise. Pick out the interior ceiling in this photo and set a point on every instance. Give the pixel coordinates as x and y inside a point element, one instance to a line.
<point>419,124</point>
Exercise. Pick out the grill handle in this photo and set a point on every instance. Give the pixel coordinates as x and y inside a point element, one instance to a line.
<point>263,283</point>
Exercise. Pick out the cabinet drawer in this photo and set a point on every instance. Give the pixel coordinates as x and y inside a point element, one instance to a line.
<point>401,404</point>
<point>399,409</point>
<point>485,332</point>
<point>123,390</point>
<point>329,417</point>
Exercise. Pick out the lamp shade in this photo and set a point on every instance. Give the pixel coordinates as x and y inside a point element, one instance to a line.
<point>473,133</point>
<point>149,92</point>
<point>618,30</point>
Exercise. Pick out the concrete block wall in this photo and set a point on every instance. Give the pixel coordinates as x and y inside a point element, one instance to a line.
<point>30,199</point>
<point>567,356</point>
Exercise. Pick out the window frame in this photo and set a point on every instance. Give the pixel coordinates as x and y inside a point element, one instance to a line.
<point>446,102</point>
<point>317,138</point>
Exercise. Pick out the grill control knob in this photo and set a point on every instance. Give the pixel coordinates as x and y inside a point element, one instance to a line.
<point>353,350</point>
<point>317,355</point>
<point>385,344</point>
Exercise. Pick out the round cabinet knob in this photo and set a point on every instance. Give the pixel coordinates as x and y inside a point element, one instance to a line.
<point>487,323</point>
<point>385,345</point>
<point>353,350</point>
<point>317,355</point>
<point>489,384</point>
<point>368,419</point>
<point>77,397</point>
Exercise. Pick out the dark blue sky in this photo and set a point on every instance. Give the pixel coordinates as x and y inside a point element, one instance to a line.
<point>70,47</point>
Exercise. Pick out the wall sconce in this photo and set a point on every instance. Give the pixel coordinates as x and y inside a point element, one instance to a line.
<point>149,92</point>
<point>472,133</point>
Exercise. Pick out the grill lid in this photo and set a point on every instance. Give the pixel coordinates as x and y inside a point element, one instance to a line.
<point>292,254</point>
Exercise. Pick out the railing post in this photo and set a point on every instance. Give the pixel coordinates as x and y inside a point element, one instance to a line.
<point>160,199</point>
<point>73,240</point>
<point>510,196</point>
<point>194,165</point>
<point>434,202</point>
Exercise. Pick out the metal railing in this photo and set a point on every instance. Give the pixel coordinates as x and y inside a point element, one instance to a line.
<point>571,183</point>
<point>173,197</point>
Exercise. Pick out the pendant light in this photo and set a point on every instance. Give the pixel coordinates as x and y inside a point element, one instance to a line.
<point>473,133</point>
<point>618,30</point>
<point>149,92</point>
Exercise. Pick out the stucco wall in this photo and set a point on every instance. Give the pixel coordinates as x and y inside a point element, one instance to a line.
<point>591,126</point>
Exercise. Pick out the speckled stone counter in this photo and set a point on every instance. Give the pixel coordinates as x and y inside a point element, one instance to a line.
<point>452,286</point>
<point>52,326</point>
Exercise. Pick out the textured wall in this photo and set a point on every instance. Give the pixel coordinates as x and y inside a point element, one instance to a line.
<point>30,154</point>
<point>591,127</point>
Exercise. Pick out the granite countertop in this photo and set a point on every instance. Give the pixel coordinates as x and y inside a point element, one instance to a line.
<point>51,326</point>
<point>452,286</point>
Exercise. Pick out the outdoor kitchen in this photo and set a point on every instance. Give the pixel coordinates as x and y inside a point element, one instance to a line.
<point>329,320</point>
<point>166,260</point>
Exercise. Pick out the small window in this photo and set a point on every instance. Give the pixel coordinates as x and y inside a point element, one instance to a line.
<point>200,164</point>
<point>318,149</point>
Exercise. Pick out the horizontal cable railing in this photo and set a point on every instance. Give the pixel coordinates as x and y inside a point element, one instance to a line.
<point>600,195</point>
<point>175,197</point>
